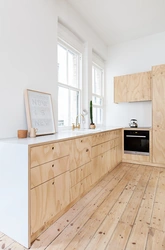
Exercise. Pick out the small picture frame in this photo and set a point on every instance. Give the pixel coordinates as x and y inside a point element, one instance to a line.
<point>39,112</point>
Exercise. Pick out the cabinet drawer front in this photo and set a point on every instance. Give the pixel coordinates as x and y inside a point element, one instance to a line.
<point>112,135</point>
<point>48,152</point>
<point>99,149</point>
<point>98,138</point>
<point>117,141</point>
<point>80,173</point>
<point>48,171</point>
<point>81,152</point>
<point>111,144</point>
<point>96,150</point>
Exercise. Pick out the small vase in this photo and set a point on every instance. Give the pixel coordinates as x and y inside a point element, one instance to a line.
<point>92,126</point>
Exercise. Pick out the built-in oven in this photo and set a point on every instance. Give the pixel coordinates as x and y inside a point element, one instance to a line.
<point>136,142</point>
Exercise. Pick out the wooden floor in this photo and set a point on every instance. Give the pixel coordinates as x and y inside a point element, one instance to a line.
<point>126,210</point>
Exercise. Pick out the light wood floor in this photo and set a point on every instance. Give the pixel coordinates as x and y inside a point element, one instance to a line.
<point>126,210</point>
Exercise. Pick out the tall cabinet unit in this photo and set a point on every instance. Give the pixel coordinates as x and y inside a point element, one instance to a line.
<point>158,102</point>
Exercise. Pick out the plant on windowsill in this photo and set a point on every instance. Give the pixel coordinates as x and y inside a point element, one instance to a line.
<point>92,125</point>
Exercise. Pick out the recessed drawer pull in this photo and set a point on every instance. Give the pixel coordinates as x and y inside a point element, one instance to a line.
<point>81,140</point>
<point>52,165</point>
<point>52,148</point>
<point>87,150</point>
<point>53,183</point>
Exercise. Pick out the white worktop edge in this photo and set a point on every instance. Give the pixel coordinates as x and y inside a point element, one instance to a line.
<point>63,135</point>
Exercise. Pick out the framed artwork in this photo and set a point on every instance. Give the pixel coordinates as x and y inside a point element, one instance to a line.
<point>39,112</point>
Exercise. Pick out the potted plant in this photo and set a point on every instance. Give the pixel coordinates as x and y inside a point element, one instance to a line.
<point>92,125</point>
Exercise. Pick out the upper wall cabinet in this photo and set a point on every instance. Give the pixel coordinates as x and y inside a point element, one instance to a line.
<point>132,88</point>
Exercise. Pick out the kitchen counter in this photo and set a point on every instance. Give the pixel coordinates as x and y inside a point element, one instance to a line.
<point>55,170</point>
<point>59,136</point>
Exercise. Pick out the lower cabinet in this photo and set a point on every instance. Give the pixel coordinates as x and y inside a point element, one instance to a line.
<point>106,155</point>
<point>158,146</point>
<point>81,181</point>
<point>56,183</point>
<point>47,200</point>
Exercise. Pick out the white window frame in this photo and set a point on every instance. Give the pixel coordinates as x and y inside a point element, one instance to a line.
<point>67,46</point>
<point>101,96</point>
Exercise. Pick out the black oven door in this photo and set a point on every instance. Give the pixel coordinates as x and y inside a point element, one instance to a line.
<point>136,141</point>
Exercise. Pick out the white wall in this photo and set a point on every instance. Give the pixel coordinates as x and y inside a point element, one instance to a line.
<point>28,56</point>
<point>127,58</point>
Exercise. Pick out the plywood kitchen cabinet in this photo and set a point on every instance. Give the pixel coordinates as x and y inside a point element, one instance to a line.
<point>133,87</point>
<point>50,184</point>
<point>120,88</point>
<point>158,105</point>
<point>80,166</point>
<point>106,153</point>
<point>47,176</point>
<point>80,152</point>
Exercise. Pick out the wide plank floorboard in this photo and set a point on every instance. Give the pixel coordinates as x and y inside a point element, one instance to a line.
<point>124,211</point>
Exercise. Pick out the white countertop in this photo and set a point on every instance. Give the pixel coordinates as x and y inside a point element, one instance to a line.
<point>63,135</point>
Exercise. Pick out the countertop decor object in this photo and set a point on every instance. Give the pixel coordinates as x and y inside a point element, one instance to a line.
<point>39,112</point>
<point>92,125</point>
<point>21,133</point>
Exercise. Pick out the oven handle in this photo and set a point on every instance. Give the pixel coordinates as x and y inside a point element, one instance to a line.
<point>137,136</point>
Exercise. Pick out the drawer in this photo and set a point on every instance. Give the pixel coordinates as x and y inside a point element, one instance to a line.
<point>98,138</point>
<point>117,141</point>
<point>111,144</point>
<point>48,171</point>
<point>112,135</point>
<point>96,150</point>
<point>48,152</point>
<point>99,149</point>
<point>81,152</point>
<point>80,173</point>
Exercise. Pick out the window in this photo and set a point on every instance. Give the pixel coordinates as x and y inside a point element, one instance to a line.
<point>97,93</point>
<point>69,84</point>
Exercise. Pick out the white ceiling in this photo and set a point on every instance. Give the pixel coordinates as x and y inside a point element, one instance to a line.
<point>117,21</point>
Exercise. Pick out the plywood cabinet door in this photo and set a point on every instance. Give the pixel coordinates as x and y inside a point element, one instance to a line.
<point>47,200</point>
<point>158,146</point>
<point>62,188</point>
<point>158,84</point>
<point>80,152</point>
<point>120,88</point>
<point>139,87</point>
<point>42,205</point>
<point>133,87</point>
<point>158,101</point>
